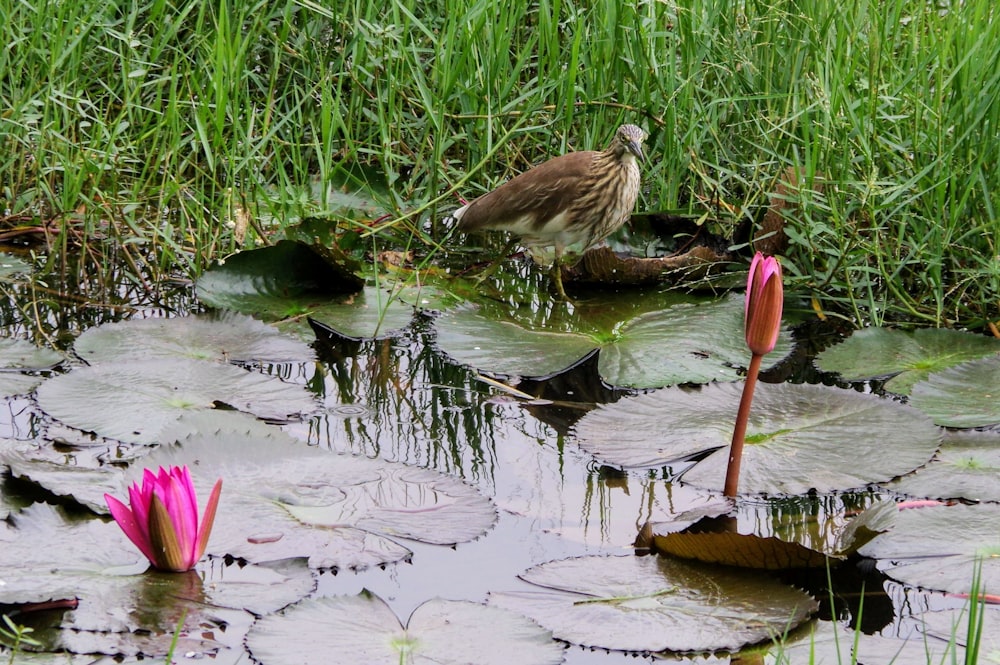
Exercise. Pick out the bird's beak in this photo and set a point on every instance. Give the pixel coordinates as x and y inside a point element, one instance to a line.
<point>636,149</point>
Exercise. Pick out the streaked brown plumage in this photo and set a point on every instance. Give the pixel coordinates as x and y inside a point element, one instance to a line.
<point>581,197</point>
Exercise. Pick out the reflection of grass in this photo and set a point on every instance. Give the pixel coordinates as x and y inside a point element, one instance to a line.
<point>194,130</point>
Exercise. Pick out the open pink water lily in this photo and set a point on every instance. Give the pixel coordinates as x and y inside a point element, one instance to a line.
<point>765,295</point>
<point>162,518</point>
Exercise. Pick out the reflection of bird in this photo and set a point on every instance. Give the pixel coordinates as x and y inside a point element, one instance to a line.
<point>582,197</point>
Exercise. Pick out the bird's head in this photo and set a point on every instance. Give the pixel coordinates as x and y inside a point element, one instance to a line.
<point>628,140</point>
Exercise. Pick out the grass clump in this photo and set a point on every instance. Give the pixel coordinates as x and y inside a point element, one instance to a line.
<point>193,128</point>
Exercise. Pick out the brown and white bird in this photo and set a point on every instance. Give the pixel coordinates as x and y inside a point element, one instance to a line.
<point>578,198</point>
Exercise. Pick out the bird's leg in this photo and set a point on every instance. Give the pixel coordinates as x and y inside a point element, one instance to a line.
<point>492,267</point>
<point>556,273</point>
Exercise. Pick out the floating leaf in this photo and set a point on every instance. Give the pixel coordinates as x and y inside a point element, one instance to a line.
<point>776,535</point>
<point>135,402</point>
<point>12,266</point>
<point>800,437</point>
<point>507,349</point>
<point>967,395</point>
<point>275,282</point>
<point>351,629</point>
<point>685,343</point>
<point>17,356</point>
<point>122,611</point>
<point>370,314</point>
<point>937,547</point>
<point>655,603</point>
<point>283,499</point>
<point>908,357</point>
<point>226,337</point>
<point>966,467</point>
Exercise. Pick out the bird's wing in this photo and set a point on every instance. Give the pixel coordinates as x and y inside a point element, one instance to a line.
<point>531,197</point>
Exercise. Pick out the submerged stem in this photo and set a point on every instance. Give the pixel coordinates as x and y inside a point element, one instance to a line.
<point>740,430</point>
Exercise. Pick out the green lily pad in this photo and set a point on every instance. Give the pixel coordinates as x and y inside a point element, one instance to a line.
<point>225,337</point>
<point>966,467</point>
<point>282,499</point>
<point>799,437</point>
<point>683,344</point>
<point>937,547</point>
<point>966,395</point>
<point>344,629</point>
<point>777,534</point>
<point>122,609</point>
<point>908,357</point>
<point>12,266</point>
<point>285,279</point>
<point>369,314</point>
<point>134,402</point>
<point>18,356</point>
<point>507,349</point>
<point>655,603</point>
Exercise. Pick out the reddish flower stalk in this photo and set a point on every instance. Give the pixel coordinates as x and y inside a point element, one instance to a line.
<point>762,313</point>
<point>162,518</point>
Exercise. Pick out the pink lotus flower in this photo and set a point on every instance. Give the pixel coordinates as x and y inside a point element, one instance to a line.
<point>765,295</point>
<point>162,518</point>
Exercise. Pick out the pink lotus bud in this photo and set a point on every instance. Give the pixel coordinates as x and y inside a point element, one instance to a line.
<point>765,295</point>
<point>162,518</point>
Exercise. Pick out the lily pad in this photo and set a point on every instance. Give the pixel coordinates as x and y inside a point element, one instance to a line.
<point>134,402</point>
<point>284,499</point>
<point>122,611</point>
<point>18,356</point>
<point>225,337</point>
<point>966,395</point>
<point>11,266</point>
<point>369,314</point>
<point>656,603</point>
<point>362,628</point>
<point>908,357</point>
<point>505,348</point>
<point>937,547</point>
<point>776,535</point>
<point>685,343</point>
<point>966,467</point>
<point>799,437</point>
<point>275,282</point>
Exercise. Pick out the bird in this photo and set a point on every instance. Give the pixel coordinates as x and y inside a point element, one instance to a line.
<point>577,198</point>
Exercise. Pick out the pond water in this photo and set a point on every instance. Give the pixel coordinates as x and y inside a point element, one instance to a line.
<point>401,399</point>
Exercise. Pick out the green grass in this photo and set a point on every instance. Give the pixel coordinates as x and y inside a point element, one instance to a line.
<point>164,124</point>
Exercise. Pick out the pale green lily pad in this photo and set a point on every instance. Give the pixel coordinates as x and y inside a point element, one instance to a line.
<point>122,609</point>
<point>944,626</point>
<point>285,279</point>
<point>349,629</point>
<point>908,357</point>
<point>799,437</point>
<point>966,395</point>
<point>134,402</point>
<point>937,547</point>
<point>966,467</point>
<point>655,603</point>
<point>369,314</point>
<point>224,337</point>
<point>682,344</point>
<point>18,356</point>
<point>505,348</point>
<point>292,281</point>
<point>283,499</point>
<point>12,266</point>
<point>685,344</point>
